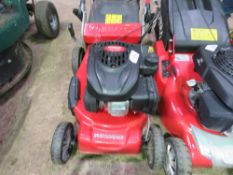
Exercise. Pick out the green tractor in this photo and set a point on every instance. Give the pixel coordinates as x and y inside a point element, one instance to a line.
<point>15,55</point>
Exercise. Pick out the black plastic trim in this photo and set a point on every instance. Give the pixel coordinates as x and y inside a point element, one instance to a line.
<point>73,93</point>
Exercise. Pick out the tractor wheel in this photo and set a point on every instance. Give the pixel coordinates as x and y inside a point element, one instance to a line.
<point>177,158</point>
<point>77,57</point>
<point>63,143</point>
<point>47,19</point>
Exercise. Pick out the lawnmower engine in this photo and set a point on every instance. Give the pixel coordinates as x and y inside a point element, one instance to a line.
<point>213,98</point>
<point>121,79</point>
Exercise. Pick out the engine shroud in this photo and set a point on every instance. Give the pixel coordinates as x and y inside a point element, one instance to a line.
<point>111,74</point>
<point>215,106</point>
<point>121,72</point>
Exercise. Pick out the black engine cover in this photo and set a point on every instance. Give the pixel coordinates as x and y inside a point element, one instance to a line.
<point>121,72</point>
<point>112,75</point>
<point>216,68</point>
<point>215,106</point>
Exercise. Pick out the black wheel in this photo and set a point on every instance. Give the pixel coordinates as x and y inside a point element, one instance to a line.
<point>77,57</point>
<point>155,148</point>
<point>46,19</point>
<point>177,158</point>
<point>63,143</point>
<point>162,28</point>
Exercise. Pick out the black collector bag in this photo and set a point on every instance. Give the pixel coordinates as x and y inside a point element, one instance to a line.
<point>193,23</point>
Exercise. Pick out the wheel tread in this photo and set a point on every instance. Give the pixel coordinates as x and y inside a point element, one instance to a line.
<point>184,161</point>
<point>56,146</point>
<point>159,143</point>
<point>41,11</point>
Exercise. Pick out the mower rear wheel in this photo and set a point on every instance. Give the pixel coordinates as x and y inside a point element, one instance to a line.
<point>177,158</point>
<point>155,148</point>
<point>63,143</point>
<point>47,19</point>
<point>77,57</point>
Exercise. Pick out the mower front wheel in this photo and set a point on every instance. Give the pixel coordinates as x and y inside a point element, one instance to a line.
<point>155,148</point>
<point>77,57</point>
<point>63,143</point>
<point>177,158</point>
<point>47,19</point>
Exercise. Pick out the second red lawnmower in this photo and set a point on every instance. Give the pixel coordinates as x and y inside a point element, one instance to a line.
<point>195,82</point>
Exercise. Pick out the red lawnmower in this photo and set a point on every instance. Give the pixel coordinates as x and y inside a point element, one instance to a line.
<point>195,82</point>
<point>113,93</point>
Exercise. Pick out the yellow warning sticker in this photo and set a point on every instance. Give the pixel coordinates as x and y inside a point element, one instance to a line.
<point>151,49</point>
<point>201,34</point>
<point>113,19</point>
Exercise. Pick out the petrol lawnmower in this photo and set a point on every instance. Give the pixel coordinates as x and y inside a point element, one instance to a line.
<point>195,83</point>
<point>15,55</point>
<point>113,93</point>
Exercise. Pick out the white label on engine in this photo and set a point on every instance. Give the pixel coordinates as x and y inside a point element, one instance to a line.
<point>133,56</point>
<point>182,57</point>
<point>211,48</point>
